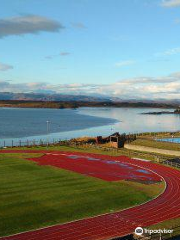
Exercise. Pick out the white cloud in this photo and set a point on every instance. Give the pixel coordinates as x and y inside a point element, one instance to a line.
<point>78,25</point>
<point>125,63</point>
<point>169,52</point>
<point>171,3</point>
<point>5,67</point>
<point>177,20</point>
<point>27,24</point>
<point>62,54</point>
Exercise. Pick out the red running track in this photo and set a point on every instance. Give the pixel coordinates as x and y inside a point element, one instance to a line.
<point>107,169</point>
<point>103,227</point>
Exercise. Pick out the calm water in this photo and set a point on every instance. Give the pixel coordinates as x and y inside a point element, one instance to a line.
<point>66,123</point>
<point>18,122</point>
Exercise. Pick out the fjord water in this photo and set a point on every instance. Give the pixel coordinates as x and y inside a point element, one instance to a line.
<point>18,123</point>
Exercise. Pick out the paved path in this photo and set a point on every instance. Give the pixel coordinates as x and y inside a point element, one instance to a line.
<point>164,207</point>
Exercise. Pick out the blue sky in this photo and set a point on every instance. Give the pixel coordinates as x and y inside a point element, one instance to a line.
<point>121,48</point>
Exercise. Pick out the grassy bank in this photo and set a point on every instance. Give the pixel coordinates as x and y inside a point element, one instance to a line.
<point>157,144</point>
<point>34,196</point>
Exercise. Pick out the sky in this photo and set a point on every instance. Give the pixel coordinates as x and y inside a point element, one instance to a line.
<point>117,48</point>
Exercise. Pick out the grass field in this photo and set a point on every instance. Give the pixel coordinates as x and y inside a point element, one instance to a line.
<point>34,196</point>
<point>157,144</point>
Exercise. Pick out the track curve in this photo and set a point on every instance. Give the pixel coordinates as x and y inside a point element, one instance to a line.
<point>107,226</point>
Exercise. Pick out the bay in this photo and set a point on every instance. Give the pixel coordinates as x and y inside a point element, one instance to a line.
<point>31,124</point>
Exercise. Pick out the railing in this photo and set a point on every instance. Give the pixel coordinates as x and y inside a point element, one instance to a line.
<point>171,163</point>
<point>28,143</point>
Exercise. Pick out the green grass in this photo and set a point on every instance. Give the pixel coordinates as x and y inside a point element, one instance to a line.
<point>92,149</point>
<point>156,144</point>
<point>169,224</point>
<point>34,196</point>
<point>82,148</point>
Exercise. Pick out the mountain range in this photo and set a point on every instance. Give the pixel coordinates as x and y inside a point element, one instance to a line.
<point>83,100</point>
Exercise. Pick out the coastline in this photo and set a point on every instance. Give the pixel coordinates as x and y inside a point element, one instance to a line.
<point>78,104</point>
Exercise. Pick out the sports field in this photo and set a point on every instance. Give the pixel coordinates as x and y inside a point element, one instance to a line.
<point>34,196</point>
<point>165,206</point>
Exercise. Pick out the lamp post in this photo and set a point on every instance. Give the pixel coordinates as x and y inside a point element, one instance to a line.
<point>47,128</point>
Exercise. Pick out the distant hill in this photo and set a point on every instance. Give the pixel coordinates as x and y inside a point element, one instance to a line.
<point>42,100</point>
<point>77,104</point>
<point>51,97</point>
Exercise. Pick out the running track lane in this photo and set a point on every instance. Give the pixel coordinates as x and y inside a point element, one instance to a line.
<point>164,207</point>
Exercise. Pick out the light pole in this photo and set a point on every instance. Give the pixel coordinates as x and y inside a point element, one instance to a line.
<point>47,128</point>
<point>112,130</point>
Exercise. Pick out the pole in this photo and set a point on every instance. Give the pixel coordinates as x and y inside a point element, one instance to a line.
<point>47,128</point>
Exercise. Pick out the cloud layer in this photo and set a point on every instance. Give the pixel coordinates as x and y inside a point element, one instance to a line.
<point>166,87</point>
<point>27,24</point>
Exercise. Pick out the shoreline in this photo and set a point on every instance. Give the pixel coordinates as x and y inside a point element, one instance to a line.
<point>160,113</point>
<point>78,104</point>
